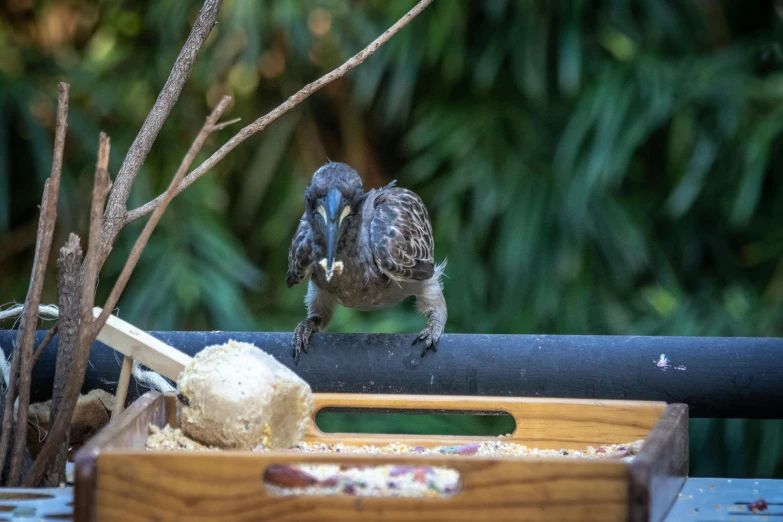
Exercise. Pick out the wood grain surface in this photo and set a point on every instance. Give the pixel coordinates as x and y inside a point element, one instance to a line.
<point>541,423</point>
<point>141,346</point>
<point>660,469</point>
<point>142,486</point>
<point>117,480</point>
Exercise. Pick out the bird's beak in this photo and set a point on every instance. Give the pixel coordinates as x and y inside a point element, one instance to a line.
<point>334,211</point>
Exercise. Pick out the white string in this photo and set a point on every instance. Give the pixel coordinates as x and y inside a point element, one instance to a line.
<point>150,379</point>
<point>5,368</point>
<point>146,378</point>
<point>43,310</point>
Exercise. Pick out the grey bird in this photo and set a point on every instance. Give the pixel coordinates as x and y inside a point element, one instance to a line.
<point>363,250</point>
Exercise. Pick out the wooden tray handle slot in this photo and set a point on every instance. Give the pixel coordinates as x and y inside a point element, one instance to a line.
<point>404,404</point>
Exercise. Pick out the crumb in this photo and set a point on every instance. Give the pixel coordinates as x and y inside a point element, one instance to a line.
<point>168,438</point>
<point>758,505</point>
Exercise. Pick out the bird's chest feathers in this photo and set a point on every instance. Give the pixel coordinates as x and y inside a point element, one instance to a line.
<point>349,268</point>
<point>357,284</point>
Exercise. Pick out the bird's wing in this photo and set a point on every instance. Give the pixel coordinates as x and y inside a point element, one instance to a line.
<point>401,236</point>
<point>300,254</point>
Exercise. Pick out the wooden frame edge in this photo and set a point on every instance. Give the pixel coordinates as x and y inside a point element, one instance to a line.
<point>85,462</point>
<point>658,472</point>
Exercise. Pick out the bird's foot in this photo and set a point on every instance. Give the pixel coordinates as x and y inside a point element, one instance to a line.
<point>429,336</point>
<point>301,337</point>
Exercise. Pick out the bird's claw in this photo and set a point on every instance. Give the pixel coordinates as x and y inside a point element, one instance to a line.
<point>301,339</point>
<point>429,339</point>
<point>297,351</point>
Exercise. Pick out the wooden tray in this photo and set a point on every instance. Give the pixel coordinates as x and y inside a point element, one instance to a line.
<point>117,479</point>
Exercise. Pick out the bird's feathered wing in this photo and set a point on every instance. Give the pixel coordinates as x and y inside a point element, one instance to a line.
<point>300,254</point>
<point>401,236</point>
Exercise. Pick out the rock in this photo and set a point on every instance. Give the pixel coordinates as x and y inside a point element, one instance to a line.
<point>236,396</point>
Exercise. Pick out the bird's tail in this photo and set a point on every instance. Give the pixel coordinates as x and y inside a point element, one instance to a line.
<point>440,271</point>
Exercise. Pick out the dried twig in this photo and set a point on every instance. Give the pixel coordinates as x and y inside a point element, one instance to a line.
<point>114,217</point>
<point>89,329</point>
<point>26,337</point>
<point>95,247</point>
<point>167,196</point>
<point>45,342</point>
<point>210,126</point>
<point>69,291</point>
<point>81,351</point>
<point>8,410</point>
<point>262,122</point>
<point>221,126</point>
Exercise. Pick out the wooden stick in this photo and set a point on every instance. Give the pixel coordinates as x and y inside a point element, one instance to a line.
<point>142,347</point>
<point>114,217</point>
<point>297,98</point>
<point>68,266</point>
<point>114,214</point>
<point>81,351</point>
<point>46,340</point>
<point>141,241</point>
<point>26,338</point>
<point>210,126</point>
<point>92,259</point>
<point>122,387</point>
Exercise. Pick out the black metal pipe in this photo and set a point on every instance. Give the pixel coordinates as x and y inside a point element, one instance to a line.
<point>717,377</point>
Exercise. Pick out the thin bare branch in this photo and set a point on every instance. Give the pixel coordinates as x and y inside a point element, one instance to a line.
<point>221,126</point>
<point>8,410</point>
<point>26,337</point>
<point>262,122</point>
<point>117,205</point>
<point>95,246</point>
<point>141,242</point>
<point>81,352</point>
<point>210,125</point>
<point>45,342</point>
<point>89,330</point>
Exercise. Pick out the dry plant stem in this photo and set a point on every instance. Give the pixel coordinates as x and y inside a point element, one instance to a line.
<point>117,205</point>
<point>27,326</point>
<point>89,329</point>
<point>96,254</point>
<point>208,128</point>
<point>116,211</point>
<point>81,350</point>
<point>114,214</point>
<point>8,411</point>
<point>167,196</point>
<point>262,122</point>
<point>68,267</point>
<point>93,257</point>
<point>221,126</point>
<point>45,342</point>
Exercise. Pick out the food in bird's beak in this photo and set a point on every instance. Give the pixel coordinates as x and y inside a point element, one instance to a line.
<point>336,268</point>
<point>334,219</point>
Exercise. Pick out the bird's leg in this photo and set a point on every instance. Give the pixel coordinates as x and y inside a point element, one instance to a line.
<point>320,308</point>
<point>302,335</point>
<point>432,303</point>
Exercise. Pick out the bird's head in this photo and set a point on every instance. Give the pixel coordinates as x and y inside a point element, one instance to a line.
<point>333,198</point>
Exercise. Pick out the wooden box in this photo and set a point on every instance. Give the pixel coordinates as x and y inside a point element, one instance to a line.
<point>118,480</point>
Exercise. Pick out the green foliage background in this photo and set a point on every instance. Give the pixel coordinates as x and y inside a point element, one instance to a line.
<point>605,167</point>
